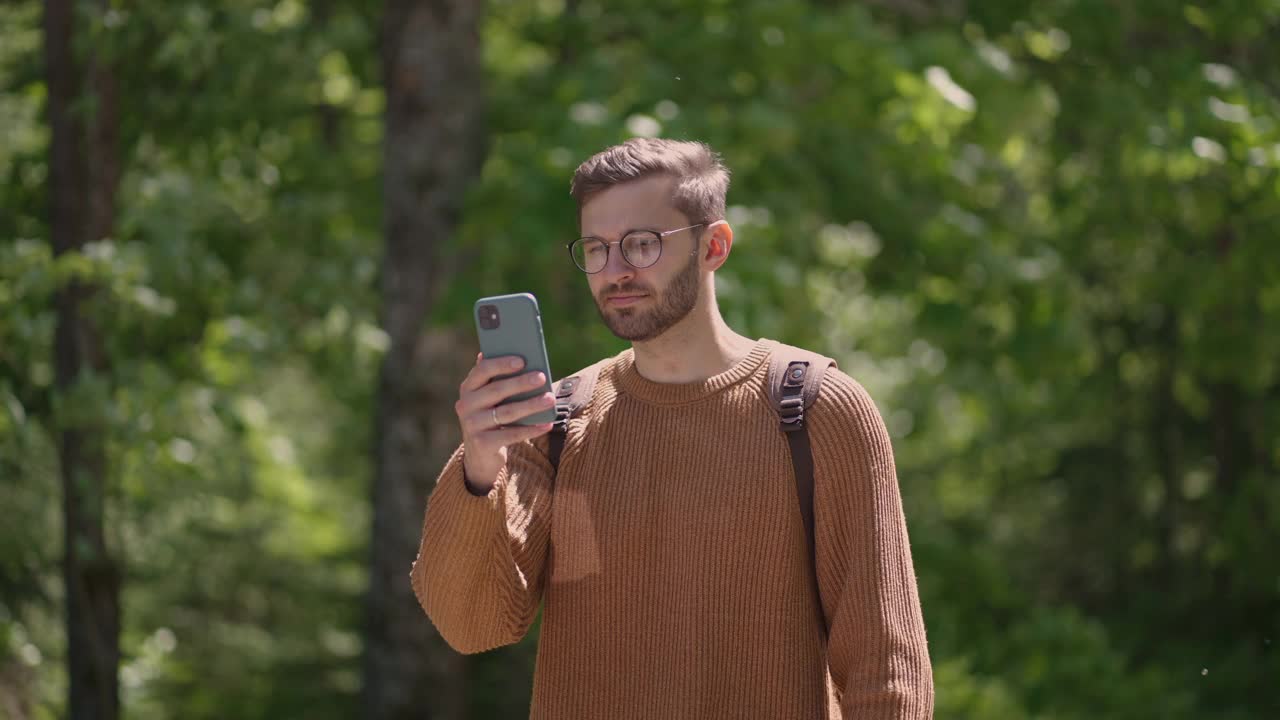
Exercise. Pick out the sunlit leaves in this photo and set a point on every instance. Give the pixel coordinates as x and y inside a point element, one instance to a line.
<point>1042,235</point>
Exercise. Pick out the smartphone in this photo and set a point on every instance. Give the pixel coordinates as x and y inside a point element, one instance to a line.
<point>512,325</point>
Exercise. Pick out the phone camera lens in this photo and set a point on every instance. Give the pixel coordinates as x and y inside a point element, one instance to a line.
<point>489,319</point>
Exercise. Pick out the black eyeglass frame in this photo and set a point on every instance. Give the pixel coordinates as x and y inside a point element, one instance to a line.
<point>608,246</point>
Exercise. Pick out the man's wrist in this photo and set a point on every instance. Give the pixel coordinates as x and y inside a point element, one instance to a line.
<point>474,488</point>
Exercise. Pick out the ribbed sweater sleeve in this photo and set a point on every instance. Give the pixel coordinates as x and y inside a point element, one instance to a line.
<point>479,570</point>
<point>877,655</point>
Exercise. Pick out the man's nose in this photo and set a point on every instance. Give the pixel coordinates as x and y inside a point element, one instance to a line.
<point>616,268</point>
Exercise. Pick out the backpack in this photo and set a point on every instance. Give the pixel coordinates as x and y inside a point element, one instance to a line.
<point>793,380</point>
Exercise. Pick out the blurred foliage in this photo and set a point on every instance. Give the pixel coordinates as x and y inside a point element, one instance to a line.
<point>1041,234</point>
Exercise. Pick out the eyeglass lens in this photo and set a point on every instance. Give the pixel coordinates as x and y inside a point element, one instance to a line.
<point>640,248</point>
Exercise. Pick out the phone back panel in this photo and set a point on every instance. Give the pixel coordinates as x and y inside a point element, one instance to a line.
<point>518,331</point>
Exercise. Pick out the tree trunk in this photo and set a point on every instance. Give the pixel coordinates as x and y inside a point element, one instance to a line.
<point>83,176</point>
<point>433,148</point>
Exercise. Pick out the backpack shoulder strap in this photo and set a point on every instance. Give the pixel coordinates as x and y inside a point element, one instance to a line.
<point>572,395</point>
<point>795,376</point>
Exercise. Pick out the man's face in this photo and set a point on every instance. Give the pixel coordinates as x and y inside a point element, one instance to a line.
<point>640,304</point>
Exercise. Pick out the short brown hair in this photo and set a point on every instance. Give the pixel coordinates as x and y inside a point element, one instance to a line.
<point>702,180</point>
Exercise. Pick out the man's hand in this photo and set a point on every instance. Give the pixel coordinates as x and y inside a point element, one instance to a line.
<point>481,418</point>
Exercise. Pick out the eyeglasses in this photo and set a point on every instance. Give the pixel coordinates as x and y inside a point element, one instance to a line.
<point>640,248</point>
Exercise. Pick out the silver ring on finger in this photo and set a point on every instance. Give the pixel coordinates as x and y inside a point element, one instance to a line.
<point>496,422</point>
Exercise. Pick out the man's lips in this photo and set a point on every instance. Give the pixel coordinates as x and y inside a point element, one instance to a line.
<point>621,300</point>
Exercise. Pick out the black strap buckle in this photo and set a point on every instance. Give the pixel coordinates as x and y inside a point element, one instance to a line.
<point>794,377</point>
<point>563,395</point>
<point>791,408</point>
<point>567,386</point>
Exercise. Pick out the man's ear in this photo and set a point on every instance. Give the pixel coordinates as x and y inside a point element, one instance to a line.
<point>719,242</point>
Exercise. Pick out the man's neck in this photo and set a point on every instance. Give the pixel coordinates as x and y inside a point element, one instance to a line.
<point>696,348</point>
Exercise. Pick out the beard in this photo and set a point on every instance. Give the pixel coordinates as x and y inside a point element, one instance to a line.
<point>668,308</point>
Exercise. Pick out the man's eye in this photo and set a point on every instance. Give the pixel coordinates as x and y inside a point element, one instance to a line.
<point>595,248</point>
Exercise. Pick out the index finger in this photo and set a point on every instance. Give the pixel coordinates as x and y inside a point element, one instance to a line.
<point>487,369</point>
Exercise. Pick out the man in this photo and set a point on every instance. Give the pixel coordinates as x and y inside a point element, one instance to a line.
<point>667,550</point>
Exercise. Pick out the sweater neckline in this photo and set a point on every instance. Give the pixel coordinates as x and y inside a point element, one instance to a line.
<point>630,380</point>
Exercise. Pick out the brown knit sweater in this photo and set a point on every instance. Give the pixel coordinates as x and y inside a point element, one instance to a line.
<point>670,559</point>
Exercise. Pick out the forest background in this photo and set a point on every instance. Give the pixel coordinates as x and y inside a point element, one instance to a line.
<point>239,243</point>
